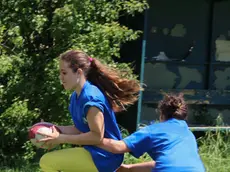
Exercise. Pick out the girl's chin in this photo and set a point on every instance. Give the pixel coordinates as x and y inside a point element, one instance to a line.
<point>65,87</point>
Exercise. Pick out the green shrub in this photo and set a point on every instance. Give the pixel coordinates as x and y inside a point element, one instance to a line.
<point>14,122</point>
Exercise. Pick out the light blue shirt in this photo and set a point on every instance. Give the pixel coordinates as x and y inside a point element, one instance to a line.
<point>170,144</point>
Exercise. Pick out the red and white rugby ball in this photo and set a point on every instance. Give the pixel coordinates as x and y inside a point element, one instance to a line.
<point>34,136</point>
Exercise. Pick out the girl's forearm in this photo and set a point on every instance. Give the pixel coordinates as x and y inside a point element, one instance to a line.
<point>69,129</point>
<point>143,167</point>
<point>114,146</point>
<point>89,138</point>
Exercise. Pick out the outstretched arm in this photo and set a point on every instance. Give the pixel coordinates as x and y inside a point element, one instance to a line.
<point>114,146</point>
<point>137,143</point>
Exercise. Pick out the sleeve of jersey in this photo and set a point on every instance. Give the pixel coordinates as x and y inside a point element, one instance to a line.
<point>139,142</point>
<point>94,103</point>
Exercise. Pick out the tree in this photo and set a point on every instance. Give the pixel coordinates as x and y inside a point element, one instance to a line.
<point>32,35</point>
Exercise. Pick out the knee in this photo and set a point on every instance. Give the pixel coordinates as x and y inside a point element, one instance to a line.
<point>44,161</point>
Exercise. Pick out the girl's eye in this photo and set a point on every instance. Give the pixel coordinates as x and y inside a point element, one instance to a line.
<point>64,73</point>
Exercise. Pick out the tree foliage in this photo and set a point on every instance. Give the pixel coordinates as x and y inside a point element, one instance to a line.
<point>32,35</point>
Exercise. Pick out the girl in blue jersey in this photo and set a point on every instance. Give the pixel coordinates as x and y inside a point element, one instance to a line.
<point>170,143</point>
<point>99,91</point>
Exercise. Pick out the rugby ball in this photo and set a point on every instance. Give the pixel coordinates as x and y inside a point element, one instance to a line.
<point>34,136</point>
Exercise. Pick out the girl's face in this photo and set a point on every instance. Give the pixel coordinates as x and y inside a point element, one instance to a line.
<point>69,79</point>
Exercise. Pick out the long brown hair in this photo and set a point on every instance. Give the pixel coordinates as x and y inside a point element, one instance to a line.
<point>119,91</point>
<point>173,106</point>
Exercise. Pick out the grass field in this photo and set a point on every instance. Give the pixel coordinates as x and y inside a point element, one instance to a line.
<point>214,150</point>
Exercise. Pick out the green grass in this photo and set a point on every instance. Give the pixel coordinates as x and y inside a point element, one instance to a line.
<point>214,150</point>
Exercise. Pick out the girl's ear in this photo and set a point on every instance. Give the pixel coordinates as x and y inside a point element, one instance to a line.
<point>161,118</point>
<point>80,71</point>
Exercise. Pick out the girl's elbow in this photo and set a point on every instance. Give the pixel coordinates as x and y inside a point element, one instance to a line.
<point>118,147</point>
<point>122,148</point>
<point>98,140</point>
<point>118,150</point>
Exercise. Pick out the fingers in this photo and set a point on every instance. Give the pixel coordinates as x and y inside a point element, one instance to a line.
<point>47,144</point>
<point>45,139</point>
<point>52,135</point>
<point>45,134</point>
<point>54,129</point>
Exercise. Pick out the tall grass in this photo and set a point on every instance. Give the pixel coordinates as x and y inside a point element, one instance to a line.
<point>215,151</point>
<point>214,148</point>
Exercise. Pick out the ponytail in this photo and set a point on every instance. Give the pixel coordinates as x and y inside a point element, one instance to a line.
<point>121,92</point>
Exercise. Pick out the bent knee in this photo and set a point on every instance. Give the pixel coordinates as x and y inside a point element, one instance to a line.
<point>45,160</point>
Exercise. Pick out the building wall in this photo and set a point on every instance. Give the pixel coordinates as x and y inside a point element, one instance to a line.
<point>188,50</point>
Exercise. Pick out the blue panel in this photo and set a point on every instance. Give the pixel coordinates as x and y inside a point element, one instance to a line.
<point>187,49</point>
<point>221,25</point>
<point>166,14</point>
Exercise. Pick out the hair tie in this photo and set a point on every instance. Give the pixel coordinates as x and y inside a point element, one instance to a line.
<point>180,105</point>
<point>90,59</point>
